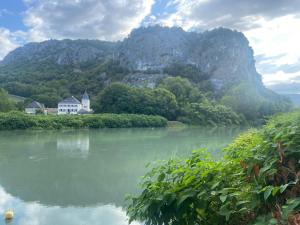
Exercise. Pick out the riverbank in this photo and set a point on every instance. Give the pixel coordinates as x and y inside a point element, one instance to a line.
<point>256,182</point>
<point>17,120</point>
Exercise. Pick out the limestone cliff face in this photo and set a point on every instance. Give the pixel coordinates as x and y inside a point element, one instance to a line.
<point>154,48</point>
<point>223,54</point>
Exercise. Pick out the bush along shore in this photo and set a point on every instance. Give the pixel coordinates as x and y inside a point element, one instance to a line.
<point>17,120</point>
<point>257,182</point>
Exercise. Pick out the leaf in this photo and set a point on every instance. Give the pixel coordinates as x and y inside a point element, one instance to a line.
<point>242,202</point>
<point>215,185</point>
<point>183,198</point>
<point>275,190</point>
<point>268,192</point>
<point>161,177</point>
<point>224,211</point>
<point>283,187</point>
<point>223,198</point>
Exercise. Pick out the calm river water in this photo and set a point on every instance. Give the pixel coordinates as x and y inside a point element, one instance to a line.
<point>81,177</point>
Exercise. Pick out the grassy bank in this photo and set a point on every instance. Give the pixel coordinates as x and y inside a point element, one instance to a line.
<point>17,120</point>
<point>257,182</point>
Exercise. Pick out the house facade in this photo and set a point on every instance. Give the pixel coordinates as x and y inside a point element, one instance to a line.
<point>73,106</point>
<point>35,107</point>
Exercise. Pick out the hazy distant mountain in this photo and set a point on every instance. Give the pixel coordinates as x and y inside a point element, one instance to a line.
<point>286,88</point>
<point>291,90</point>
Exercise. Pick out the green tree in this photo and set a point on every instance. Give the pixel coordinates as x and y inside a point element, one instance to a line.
<point>116,98</point>
<point>182,88</point>
<point>120,98</point>
<point>5,103</point>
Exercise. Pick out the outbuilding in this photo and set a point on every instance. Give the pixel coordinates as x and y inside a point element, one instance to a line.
<point>35,107</point>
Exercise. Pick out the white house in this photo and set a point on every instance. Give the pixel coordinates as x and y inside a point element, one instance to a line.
<point>34,107</point>
<point>73,106</point>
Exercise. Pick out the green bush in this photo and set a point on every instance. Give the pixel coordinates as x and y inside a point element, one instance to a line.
<point>18,120</point>
<point>257,182</point>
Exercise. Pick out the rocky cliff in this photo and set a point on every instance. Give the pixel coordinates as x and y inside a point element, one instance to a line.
<point>222,53</point>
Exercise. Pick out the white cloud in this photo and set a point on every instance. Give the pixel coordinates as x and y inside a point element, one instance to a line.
<point>278,41</point>
<point>8,41</point>
<point>86,19</point>
<point>281,77</point>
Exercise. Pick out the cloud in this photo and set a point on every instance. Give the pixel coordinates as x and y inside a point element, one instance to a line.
<point>84,19</point>
<point>9,41</point>
<point>276,42</point>
<point>229,13</point>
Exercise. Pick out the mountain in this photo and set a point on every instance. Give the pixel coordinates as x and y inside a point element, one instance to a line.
<point>215,60</point>
<point>65,52</point>
<point>221,53</point>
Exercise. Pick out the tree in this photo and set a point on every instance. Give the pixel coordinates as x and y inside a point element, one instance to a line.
<point>120,98</point>
<point>5,103</point>
<point>184,91</point>
<point>116,98</point>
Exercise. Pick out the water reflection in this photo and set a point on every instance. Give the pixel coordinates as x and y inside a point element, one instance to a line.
<point>34,213</point>
<point>52,177</point>
<point>71,145</point>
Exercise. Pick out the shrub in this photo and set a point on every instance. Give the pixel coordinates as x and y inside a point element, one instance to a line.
<point>257,182</point>
<point>17,120</point>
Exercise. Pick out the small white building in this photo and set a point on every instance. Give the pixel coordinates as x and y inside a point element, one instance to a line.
<point>35,107</point>
<point>73,106</point>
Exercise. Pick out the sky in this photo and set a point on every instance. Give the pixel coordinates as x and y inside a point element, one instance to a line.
<point>271,26</point>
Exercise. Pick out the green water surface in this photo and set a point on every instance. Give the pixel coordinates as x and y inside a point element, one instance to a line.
<point>82,177</point>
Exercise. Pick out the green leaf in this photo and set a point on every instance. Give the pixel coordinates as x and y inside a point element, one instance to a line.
<point>283,187</point>
<point>223,198</point>
<point>268,192</point>
<point>183,198</point>
<point>161,177</point>
<point>215,185</point>
<point>242,202</point>
<point>275,190</point>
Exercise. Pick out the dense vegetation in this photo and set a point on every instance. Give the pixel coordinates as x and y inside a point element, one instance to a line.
<point>48,82</point>
<point>175,99</point>
<point>17,120</point>
<point>120,98</point>
<point>257,182</point>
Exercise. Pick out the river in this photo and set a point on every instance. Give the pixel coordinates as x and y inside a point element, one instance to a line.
<point>82,176</point>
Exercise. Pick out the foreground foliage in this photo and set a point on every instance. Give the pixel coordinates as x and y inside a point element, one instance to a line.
<point>17,120</point>
<point>257,182</point>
